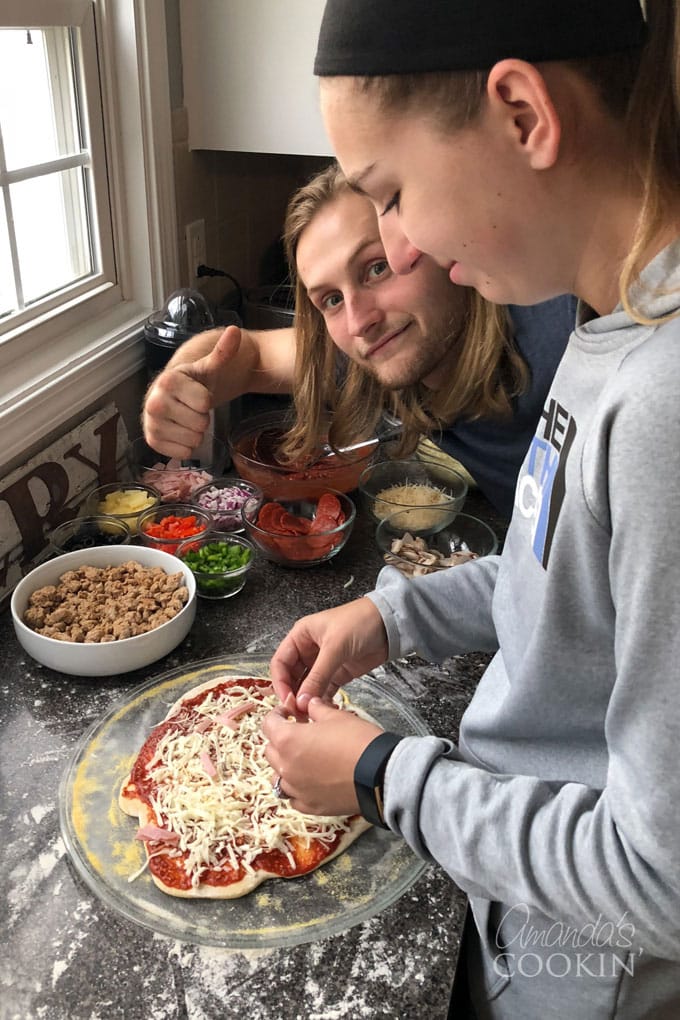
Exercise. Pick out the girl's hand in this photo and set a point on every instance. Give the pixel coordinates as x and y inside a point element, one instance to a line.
<point>316,760</point>
<point>326,650</point>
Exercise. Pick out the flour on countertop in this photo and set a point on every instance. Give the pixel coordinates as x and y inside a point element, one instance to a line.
<point>59,967</point>
<point>209,975</point>
<point>45,758</point>
<point>263,642</point>
<point>39,811</point>
<point>26,879</point>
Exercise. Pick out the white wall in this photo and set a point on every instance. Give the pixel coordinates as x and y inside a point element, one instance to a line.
<point>249,84</point>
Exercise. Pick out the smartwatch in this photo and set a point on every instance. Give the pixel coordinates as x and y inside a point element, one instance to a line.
<point>369,775</point>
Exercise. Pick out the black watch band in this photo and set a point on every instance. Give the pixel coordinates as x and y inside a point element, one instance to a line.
<point>369,774</point>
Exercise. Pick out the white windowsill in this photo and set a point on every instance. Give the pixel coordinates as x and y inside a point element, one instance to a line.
<point>71,383</point>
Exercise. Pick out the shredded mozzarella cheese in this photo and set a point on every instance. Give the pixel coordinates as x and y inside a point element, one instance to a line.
<point>235,816</point>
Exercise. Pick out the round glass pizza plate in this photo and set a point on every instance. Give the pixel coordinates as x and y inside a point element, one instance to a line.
<point>374,871</point>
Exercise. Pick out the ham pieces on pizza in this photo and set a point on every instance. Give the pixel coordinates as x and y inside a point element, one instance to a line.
<point>201,788</point>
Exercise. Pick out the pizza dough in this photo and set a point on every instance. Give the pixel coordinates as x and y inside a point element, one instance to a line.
<point>202,791</point>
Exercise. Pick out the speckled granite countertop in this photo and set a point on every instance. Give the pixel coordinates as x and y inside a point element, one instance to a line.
<point>67,956</point>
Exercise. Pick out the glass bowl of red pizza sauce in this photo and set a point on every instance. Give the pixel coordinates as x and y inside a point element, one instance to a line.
<point>300,533</point>
<point>255,444</point>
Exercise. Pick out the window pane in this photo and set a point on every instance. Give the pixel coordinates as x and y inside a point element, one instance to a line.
<point>7,293</point>
<point>50,220</point>
<point>37,106</point>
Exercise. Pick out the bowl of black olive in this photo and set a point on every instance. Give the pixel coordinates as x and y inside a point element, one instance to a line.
<point>89,532</point>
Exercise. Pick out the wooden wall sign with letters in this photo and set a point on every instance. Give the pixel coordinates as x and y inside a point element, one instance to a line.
<point>51,488</point>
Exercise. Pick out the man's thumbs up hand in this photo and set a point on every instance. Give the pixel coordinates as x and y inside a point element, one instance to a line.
<point>177,404</point>
<point>209,370</point>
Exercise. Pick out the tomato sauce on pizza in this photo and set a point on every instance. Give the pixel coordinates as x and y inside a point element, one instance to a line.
<point>202,790</point>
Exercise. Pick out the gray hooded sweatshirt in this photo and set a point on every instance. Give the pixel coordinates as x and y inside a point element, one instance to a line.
<point>559,811</point>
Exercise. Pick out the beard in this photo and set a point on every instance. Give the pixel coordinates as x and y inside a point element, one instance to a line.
<point>427,355</point>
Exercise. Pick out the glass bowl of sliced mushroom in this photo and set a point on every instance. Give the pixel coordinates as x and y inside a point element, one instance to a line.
<point>429,547</point>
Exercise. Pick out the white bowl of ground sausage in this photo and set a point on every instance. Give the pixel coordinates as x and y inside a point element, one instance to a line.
<point>110,657</point>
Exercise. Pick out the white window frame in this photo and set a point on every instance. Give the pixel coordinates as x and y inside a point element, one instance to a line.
<point>59,364</point>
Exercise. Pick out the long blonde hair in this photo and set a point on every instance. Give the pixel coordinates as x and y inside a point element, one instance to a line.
<point>489,369</point>
<point>653,120</point>
<point>639,86</point>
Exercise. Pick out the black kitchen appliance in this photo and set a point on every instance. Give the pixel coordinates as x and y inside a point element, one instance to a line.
<point>185,313</point>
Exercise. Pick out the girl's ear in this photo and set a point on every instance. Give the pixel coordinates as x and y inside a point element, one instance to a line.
<point>518,95</point>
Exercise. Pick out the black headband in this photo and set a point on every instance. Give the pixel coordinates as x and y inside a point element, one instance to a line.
<point>376,37</point>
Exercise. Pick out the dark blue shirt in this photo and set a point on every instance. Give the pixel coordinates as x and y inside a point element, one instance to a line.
<point>493,451</point>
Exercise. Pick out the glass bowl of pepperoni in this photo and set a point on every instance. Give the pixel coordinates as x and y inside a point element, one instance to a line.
<point>176,480</point>
<point>167,526</point>
<point>301,532</point>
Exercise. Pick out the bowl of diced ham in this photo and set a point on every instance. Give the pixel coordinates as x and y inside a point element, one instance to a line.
<point>177,480</point>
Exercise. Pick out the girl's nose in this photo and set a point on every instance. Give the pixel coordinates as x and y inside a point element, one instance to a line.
<point>401,254</point>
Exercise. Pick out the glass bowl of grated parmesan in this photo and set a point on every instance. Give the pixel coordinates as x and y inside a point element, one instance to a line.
<point>431,494</point>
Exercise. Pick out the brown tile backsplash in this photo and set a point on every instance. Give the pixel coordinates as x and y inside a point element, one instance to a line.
<point>241,196</point>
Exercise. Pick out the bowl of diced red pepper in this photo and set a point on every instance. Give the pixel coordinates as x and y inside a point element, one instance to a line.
<point>167,526</point>
<point>300,533</point>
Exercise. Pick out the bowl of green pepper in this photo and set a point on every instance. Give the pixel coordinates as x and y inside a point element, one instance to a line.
<point>219,561</point>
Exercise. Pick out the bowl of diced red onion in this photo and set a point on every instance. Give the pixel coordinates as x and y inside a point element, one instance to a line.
<point>177,480</point>
<point>223,499</point>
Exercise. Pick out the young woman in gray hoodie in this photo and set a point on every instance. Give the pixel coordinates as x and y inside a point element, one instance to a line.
<point>532,149</point>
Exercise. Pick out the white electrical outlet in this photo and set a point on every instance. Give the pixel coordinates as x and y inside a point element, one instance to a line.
<point>195,237</point>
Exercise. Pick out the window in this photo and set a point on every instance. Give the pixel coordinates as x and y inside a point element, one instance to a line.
<point>55,226</point>
<point>87,224</point>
